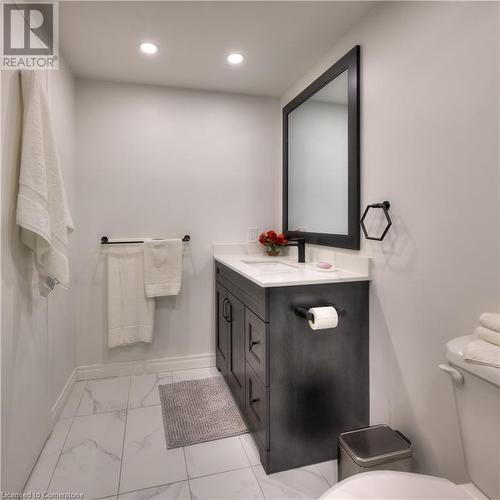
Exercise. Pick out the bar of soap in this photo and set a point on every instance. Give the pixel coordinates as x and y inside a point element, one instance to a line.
<point>323,265</point>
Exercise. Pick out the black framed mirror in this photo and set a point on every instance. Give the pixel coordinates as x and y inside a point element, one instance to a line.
<point>321,158</point>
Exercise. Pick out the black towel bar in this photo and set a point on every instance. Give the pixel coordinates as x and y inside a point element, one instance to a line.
<point>105,241</point>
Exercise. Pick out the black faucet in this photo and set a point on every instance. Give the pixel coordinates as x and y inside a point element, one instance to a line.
<point>300,243</point>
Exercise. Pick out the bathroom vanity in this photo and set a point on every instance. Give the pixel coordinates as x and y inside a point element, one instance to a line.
<point>297,388</point>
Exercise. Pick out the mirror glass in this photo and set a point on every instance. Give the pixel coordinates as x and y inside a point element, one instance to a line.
<point>318,161</point>
<point>321,152</point>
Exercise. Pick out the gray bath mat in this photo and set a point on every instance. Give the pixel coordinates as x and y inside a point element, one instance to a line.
<point>196,411</point>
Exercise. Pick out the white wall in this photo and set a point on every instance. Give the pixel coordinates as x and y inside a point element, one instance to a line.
<point>25,378</point>
<point>38,341</point>
<point>162,162</point>
<point>429,145</point>
<point>61,318</point>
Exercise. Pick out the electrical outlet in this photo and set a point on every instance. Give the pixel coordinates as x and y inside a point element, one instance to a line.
<point>253,234</point>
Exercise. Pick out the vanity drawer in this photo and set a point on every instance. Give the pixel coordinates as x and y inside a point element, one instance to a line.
<point>257,407</point>
<point>253,296</point>
<point>256,336</point>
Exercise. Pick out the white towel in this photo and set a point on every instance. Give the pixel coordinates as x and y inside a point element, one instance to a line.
<point>490,320</point>
<point>162,267</point>
<point>42,207</point>
<point>130,312</point>
<point>483,353</point>
<point>488,335</point>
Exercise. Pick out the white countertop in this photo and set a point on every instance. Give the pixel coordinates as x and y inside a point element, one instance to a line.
<point>267,271</point>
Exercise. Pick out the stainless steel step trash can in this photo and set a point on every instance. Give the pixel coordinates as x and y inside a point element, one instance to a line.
<point>373,448</point>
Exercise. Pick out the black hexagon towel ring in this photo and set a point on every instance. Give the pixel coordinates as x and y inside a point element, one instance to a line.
<point>385,205</point>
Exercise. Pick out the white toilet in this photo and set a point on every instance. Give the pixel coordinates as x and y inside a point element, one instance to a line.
<point>477,395</point>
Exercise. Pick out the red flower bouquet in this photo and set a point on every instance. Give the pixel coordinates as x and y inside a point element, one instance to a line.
<point>273,242</point>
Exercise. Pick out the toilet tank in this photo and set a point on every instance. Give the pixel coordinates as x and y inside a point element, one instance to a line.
<point>478,407</point>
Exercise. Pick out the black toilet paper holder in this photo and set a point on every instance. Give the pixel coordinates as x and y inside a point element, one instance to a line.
<point>303,311</point>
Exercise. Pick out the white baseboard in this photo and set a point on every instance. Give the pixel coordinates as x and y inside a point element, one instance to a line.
<point>145,366</point>
<point>139,367</point>
<point>63,396</point>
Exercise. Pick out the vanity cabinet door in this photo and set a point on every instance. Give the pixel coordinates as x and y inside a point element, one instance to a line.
<point>256,407</point>
<point>236,359</point>
<point>256,344</point>
<point>221,329</point>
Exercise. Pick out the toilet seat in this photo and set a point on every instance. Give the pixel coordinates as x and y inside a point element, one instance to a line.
<point>391,485</point>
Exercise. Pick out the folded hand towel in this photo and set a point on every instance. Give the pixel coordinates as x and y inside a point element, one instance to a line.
<point>483,353</point>
<point>162,267</point>
<point>490,320</point>
<point>130,312</point>
<point>488,335</point>
<point>42,208</point>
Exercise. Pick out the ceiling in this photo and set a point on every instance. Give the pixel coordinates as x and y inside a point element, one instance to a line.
<point>280,41</point>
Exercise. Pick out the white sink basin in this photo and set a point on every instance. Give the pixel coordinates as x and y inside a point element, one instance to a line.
<point>270,266</point>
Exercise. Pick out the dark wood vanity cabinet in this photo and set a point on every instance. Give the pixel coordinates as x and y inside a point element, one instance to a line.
<point>297,389</point>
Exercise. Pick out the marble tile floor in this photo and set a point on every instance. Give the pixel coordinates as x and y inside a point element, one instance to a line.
<point>109,444</point>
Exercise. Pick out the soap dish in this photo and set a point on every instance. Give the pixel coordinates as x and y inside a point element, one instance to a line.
<point>322,266</point>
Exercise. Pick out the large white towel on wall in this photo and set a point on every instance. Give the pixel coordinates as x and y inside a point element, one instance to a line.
<point>162,267</point>
<point>130,312</point>
<point>490,320</point>
<point>42,208</point>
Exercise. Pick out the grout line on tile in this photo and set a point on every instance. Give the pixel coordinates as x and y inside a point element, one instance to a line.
<point>80,400</point>
<point>244,450</point>
<point>221,472</point>
<point>187,472</point>
<point>321,474</point>
<point>157,376</point>
<point>91,379</point>
<point>151,487</point>
<point>143,406</point>
<point>59,456</point>
<point>192,369</point>
<point>124,436</point>
<point>66,438</point>
<point>190,491</point>
<point>100,412</point>
<point>257,479</point>
<point>100,380</point>
<point>38,458</point>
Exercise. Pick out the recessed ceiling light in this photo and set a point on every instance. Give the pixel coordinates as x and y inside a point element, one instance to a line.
<point>235,58</point>
<point>149,48</point>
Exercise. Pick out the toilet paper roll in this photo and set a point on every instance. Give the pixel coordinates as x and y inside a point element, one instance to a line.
<point>323,317</point>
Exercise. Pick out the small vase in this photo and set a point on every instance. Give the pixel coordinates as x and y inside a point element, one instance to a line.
<point>273,253</point>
